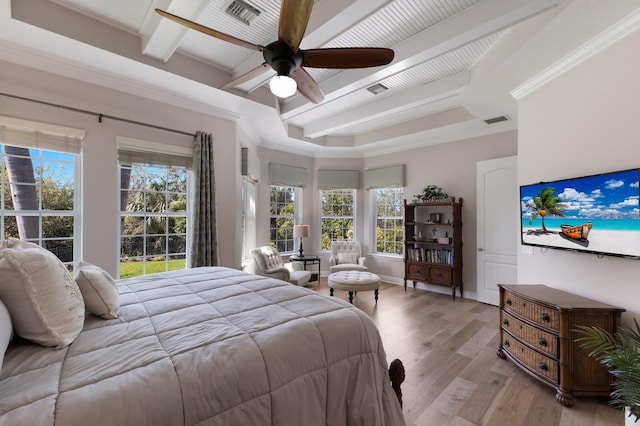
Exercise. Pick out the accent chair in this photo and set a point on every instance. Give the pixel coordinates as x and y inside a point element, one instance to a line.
<point>269,263</point>
<point>346,256</point>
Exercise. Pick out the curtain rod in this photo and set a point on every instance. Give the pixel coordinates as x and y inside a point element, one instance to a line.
<point>97,114</point>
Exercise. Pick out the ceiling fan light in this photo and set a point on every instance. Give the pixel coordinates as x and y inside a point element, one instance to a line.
<point>283,86</point>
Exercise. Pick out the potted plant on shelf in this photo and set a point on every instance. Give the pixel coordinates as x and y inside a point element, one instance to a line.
<point>430,193</point>
<point>619,353</point>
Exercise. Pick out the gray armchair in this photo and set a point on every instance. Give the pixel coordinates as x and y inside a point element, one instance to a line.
<point>346,256</point>
<point>268,263</point>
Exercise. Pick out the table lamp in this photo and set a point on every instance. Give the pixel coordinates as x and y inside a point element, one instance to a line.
<point>300,231</point>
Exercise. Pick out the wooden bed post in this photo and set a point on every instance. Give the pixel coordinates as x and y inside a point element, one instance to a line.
<point>396,374</point>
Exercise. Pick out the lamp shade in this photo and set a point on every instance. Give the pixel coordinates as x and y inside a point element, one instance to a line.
<point>300,231</point>
<point>283,86</point>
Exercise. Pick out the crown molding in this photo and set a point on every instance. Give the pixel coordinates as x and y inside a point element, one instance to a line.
<point>615,33</point>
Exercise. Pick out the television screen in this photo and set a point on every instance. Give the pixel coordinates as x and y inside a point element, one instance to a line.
<point>595,214</point>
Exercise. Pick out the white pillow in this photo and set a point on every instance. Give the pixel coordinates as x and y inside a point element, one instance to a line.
<point>45,304</point>
<point>98,290</point>
<point>6,331</point>
<point>347,258</point>
<point>15,243</point>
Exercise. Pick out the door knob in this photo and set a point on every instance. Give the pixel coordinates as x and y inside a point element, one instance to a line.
<point>480,249</point>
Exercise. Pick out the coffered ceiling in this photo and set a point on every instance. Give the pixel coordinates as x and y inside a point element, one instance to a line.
<point>455,61</point>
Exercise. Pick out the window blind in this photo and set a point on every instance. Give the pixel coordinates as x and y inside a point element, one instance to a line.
<point>141,151</point>
<point>384,177</point>
<point>33,134</point>
<point>281,174</point>
<point>338,179</point>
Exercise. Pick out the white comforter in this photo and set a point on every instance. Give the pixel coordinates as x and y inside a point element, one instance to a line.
<point>207,346</point>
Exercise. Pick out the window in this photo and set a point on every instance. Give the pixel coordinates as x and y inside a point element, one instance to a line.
<point>39,185</point>
<point>283,213</point>
<point>38,198</point>
<point>248,218</point>
<point>153,219</point>
<point>243,219</point>
<point>337,215</point>
<point>389,220</point>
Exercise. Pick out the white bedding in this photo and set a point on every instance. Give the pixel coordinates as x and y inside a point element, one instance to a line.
<point>207,346</point>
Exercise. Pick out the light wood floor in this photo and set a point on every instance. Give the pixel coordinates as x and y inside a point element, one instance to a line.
<point>453,376</point>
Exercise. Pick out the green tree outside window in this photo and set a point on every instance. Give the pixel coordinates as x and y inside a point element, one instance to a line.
<point>389,221</point>
<point>282,219</point>
<point>337,216</point>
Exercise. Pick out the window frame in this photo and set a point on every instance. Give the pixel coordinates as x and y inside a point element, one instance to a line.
<point>297,195</point>
<point>167,215</point>
<point>326,245</point>
<point>42,213</point>
<point>398,243</point>
<point>248,218</point>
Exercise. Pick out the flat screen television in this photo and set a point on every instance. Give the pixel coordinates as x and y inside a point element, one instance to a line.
<point>593,214</point>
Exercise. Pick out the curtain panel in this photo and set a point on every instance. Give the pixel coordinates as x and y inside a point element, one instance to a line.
<point>204,231</point>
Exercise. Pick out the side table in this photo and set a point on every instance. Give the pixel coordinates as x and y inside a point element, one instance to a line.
<point>308,260</point>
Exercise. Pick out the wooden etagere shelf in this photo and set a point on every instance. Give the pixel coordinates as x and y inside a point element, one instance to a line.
<point>433,243</point>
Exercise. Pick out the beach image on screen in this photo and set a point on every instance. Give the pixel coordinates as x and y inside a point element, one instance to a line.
<point>598,214</point>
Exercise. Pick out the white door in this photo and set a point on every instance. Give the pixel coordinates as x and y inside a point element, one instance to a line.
<point>498,226</point>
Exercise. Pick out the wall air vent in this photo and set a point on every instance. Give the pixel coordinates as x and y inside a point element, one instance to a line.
<point>242,11</point>
<point>377,88</point>
<point>497,119</point>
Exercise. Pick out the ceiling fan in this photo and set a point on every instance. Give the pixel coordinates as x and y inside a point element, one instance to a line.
<point>287,59</point>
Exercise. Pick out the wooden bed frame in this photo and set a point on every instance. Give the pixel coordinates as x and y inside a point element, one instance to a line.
<point>396,374</point>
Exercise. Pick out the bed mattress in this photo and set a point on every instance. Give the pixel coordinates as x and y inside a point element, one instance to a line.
<point>207,346</point>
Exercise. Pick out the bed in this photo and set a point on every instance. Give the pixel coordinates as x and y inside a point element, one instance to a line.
<point>206,346</point>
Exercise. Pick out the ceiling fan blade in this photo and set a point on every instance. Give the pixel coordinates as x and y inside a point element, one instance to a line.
<point>307,86</point>
<point>248,76</point>
<point>347,57</point>
<point>294,17</point>
<point>210,31</point>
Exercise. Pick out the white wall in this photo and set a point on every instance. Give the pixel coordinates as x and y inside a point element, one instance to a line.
<point>253,169</point>
<point>452,166</point>
<point>100,166</point>
<point>584,122</point>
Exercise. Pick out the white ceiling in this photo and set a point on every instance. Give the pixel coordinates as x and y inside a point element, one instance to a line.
<point>456,61</point>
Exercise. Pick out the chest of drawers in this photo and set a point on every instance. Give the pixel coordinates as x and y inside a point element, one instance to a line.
<point>536,333</point>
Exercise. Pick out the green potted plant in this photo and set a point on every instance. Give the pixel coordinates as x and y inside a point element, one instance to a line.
<point>430,193</point>
<point>619,353</point>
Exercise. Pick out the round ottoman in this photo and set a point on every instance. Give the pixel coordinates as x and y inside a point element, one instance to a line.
<point>353,282</point>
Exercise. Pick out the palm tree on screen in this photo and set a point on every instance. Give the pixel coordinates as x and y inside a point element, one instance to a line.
<point>545,203</point>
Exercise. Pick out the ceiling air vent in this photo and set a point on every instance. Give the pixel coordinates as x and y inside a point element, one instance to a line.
<point>496,119</point>
<point>377,88</point>
<point>242,11</point>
